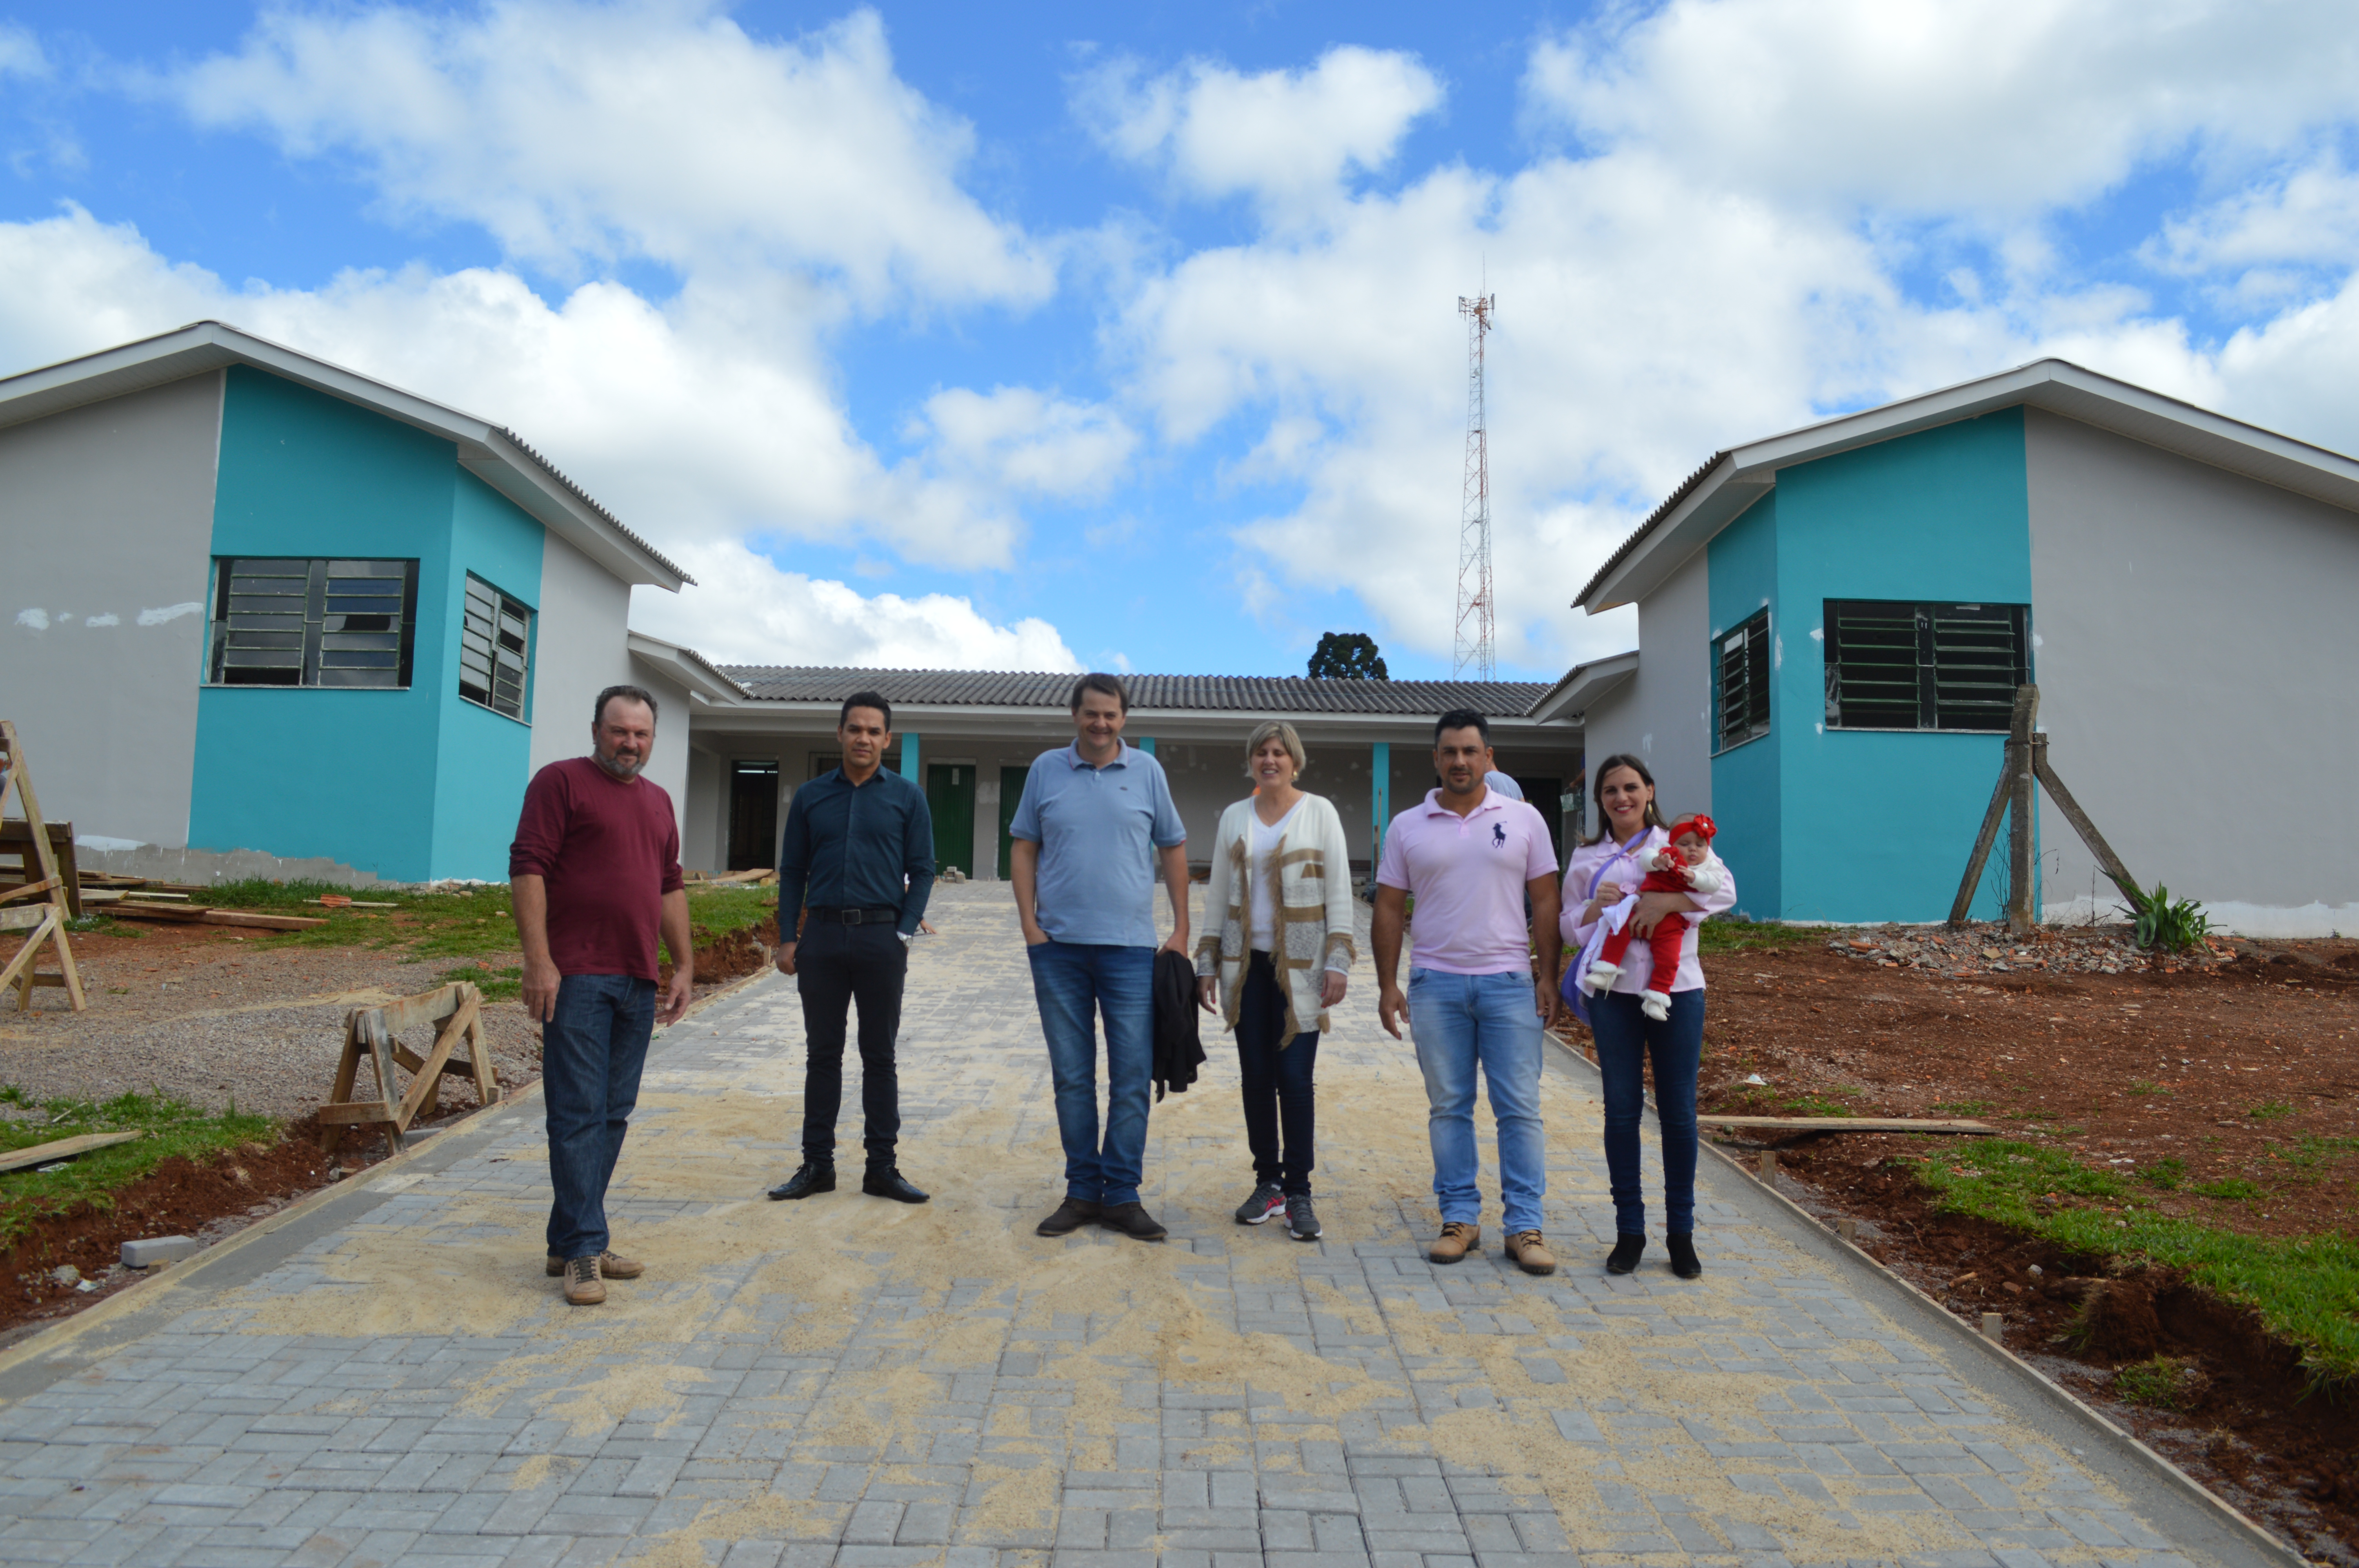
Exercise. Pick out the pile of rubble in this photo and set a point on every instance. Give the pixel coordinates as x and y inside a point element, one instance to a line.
<point>1992,949</point>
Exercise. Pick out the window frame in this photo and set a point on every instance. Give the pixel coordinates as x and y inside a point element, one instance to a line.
<point>1943,690</point>
<point>316,643</point>
<point>501,600</point>
<point>1758,655</point>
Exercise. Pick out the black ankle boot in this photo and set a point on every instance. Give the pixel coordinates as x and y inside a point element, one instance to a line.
<point>1624,1258</point>
<point>1681,1245</point>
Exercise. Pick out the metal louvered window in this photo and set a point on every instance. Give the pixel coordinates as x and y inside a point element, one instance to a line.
<point>1924,666</point>
<point>1741,676</point>
<point>495,649</point>
<point>314,622</point>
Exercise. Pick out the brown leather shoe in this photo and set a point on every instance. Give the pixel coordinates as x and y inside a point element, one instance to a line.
<point>1457,1240</point>
<point>1531,1253</point>
<point>582,1285</point>
<point>610,1266</point>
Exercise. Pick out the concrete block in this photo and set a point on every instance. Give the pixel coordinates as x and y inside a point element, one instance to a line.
<point>155,1250</point>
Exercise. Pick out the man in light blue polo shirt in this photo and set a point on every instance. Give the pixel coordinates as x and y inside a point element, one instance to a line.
<point>1095,820</point>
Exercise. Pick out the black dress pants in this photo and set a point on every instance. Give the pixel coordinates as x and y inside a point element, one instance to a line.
<point>835,965</point>
<point>1279,1095</point>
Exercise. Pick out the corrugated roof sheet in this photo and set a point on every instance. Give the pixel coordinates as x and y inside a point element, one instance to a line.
<point>1224,694</point>
<point>592,502</point>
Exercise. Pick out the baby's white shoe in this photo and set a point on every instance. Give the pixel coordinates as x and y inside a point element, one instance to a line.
<point>1655,1005</point>
<point>1602,976</point>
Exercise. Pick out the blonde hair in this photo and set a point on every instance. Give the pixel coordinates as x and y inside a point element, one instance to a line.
<point>1283,733</point>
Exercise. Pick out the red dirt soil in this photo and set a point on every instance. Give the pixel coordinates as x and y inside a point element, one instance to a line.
<point>2227,1066</point>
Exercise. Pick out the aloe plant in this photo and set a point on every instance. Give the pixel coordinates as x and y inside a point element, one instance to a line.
<point>2163,922</point>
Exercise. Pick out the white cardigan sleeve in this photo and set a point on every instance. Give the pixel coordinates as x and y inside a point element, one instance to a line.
<point>1216,897</point>
<point>1337,851</point>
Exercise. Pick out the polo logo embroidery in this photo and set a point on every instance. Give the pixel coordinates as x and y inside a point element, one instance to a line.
<point>1498,835</point>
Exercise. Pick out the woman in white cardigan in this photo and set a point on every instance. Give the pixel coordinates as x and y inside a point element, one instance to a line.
<point>1277,953</point>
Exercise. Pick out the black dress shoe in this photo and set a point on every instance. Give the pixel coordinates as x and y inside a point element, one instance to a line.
<point>891,1184</point>
<point>1628,1250</point>
<point>1684,1264</point>
<point>1133,1221</point>
<point>808,1179</point>
<point>1070,1216</point>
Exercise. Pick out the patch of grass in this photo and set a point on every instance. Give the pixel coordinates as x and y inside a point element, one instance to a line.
<point>2271,1110</point>
<point>103,925</point>
<point>1965,1108</point>
<point>1722,934</point>
<point>2160,1382</point>
<point>2306,1288</point>
<point>2148,1086</point>
<point>498,985</point>
<point>2228,1189</point>
<point>2313,1152</point>
<point>173,1126</point>
<point>2165,1175</point>
<point>457,924</point>
<point>719,911</point>
<point>1815,1105</point>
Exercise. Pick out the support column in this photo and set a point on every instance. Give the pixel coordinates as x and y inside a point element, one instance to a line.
<point>910,767</point>
<point>1146,743</point>
<point>1380,801</point>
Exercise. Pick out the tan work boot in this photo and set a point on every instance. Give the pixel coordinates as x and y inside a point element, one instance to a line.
<point>1457,1240</point>
<point>1531,1253</point>
<point>610,1266</point>
<point>582,1285</point>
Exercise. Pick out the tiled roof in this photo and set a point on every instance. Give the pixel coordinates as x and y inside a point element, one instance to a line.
<point>1686,489</point>
<point>1224,694</point>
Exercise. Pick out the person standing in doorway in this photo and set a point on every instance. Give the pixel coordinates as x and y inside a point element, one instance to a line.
<point>594,877</point>
<point>858,858</point>
<point>1093,826</point>
<point>1477,997</point>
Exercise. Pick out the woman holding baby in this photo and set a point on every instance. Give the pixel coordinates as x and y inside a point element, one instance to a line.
<point>1627,878</point>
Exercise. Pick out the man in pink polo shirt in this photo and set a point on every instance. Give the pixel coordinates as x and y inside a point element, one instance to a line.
<point>1475,861</point>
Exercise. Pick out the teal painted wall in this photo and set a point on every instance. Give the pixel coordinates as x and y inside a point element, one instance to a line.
<point>1742,563</point>
<point>408,785</point>
<point>1879,824</point>
<point>483,759</point>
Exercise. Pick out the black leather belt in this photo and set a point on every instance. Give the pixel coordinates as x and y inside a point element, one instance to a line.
<point>855,916</point>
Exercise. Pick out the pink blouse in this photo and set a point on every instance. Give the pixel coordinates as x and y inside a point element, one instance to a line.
<point>1637,964</point>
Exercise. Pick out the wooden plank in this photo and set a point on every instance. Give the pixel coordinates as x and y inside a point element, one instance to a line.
<point>45,923</point>
<point>379,1041</point>
<point>1848,1124</point>
<point>145,895</point>
<point>2109,862</point>
<point>24,890</point>
<point>347,1068</point>
<point>63,1148</point>
<point>426,1006</point>
<point>2021,866</point>
<point>356,1111</point>
<point>1971,882</point>
<point>23,919</point>
<point>429,1076</point>
<point>186,913</point>
<point>260,921</point>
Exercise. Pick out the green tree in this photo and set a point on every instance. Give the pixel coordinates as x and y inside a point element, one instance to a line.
<point>1347,655</point>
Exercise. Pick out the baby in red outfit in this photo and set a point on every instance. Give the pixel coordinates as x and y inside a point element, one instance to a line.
<point>1686,865</point>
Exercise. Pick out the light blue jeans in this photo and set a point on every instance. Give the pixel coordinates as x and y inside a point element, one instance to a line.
<point>1460,1022</point>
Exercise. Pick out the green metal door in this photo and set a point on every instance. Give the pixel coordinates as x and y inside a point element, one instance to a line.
<point>950,794</point>
<point>1011,792</point>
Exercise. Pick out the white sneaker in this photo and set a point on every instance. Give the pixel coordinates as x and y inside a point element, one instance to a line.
<point>1655,1005</point>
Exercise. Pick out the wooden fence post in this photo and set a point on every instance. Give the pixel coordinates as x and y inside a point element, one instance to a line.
<point>2022,913</point>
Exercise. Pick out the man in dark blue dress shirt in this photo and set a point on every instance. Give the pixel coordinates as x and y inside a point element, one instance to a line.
<point>858,858</point>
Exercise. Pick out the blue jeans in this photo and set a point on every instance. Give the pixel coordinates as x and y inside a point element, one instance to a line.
<point>590,1056</point>
<point>1626,1038</point>
<point>1075,984</point>
<point>1457,1022</point>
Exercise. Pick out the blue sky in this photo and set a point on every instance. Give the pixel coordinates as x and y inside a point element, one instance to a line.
<point>1126,336</point>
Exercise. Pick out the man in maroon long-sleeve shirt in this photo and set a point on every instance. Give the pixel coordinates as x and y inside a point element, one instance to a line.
<point>594,874</point>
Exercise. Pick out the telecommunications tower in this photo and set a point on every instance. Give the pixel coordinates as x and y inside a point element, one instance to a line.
<point>1477,631</point>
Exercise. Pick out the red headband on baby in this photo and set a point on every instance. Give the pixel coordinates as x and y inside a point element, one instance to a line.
<point>1698,825</point>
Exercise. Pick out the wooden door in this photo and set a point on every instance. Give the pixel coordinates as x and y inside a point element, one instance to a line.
<point>950,794</point>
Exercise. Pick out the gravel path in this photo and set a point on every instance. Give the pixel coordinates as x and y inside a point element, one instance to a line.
<point>199,1013</point>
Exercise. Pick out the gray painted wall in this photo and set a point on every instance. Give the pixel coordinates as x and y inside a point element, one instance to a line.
<point>1659,713</point>
<point>2193,655</point>
<point>107,512</point>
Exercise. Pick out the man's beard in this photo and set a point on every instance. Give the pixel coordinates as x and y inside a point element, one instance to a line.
<point>622,767</point>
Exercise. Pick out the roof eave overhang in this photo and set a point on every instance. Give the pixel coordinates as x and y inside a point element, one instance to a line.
<point>484,450</point>
<point>1571,698</point>
<point>1748,472</point>
<point>769,714</point>
<point>690,668</point>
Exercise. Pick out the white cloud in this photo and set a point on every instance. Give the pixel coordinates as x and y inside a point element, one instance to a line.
<point>20,53</point>
<point>581,134</point>
<point>1284,136</point>
<point>1026,441</point>
<point>746,609</point>
<point>1947,107</point>
<point>2308,218</point>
